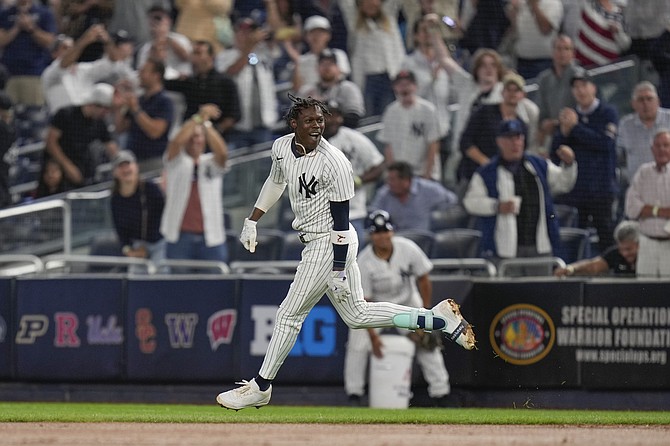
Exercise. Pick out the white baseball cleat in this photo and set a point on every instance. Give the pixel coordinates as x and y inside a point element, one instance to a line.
<point>457,328</point>
<point>247,395</point>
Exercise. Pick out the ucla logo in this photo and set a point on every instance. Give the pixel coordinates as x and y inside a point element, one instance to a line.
<point>522,334</point>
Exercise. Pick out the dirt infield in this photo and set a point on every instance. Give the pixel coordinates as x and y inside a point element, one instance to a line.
<point>321,434</point>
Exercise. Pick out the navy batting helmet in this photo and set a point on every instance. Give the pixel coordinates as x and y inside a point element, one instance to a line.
<point>379,221</point>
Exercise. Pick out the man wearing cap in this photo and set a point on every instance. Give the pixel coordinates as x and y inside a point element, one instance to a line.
<point>249,63</point>
<point>27,30</point>
<point>7,138</point>
<point>317,33</point>
<point>332,86</point>
<point>512,195</point>
<point>171,48</point>
<point>478,141</point>
<point>73,132</point>
<point>410,130</point>
<point>591,130</point>
<point>393,269</point>
<point>68,82</point>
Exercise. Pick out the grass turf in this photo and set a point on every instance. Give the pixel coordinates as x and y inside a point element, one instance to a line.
<point>165,413</point>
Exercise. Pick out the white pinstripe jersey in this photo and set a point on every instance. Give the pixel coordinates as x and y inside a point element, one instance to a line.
<point>314,180</point>
<point>394,280</point>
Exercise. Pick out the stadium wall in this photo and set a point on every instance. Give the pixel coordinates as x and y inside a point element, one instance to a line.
<point>546,334</point>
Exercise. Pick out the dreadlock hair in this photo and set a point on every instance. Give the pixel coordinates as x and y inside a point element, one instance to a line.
<point>300,104</point>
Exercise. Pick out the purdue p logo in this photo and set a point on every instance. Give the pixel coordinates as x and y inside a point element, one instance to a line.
<point>306,188</point>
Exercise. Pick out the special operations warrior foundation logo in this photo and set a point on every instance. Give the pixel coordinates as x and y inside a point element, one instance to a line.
<point>522,334</point>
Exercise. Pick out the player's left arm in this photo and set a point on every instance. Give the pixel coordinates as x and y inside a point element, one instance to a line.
<point>340,234</point>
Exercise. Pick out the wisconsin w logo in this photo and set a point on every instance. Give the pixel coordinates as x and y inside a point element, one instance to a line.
<point>308,189</point>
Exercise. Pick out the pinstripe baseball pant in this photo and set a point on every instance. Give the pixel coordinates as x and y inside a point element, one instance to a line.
<point>308,286</point>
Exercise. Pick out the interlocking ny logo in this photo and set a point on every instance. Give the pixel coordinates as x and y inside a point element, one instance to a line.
<point>308,188</point>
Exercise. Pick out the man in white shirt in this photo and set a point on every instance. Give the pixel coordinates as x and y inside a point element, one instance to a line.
<point>637,129</point>
<point>648,201</point>
<point>174,49</point>
<point>537,23</point>
<point>68,82</point>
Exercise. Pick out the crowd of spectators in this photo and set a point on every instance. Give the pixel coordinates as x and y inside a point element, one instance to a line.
<point>130,75</point>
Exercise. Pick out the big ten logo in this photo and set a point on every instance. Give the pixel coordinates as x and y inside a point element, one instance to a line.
<point>317,337</point>
<point>33,326</point>
<point>66,324</point>
<point>181,329</point>
<point>145,331</point>
<point>220,327</point>
<point>103,334</point>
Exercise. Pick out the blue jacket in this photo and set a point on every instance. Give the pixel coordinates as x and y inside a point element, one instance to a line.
<point>489,173</point>
<point>594,141</point>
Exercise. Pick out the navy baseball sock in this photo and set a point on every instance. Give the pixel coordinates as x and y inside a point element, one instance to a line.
<point>263,384</point>
<point>413,320</point>
<point>438,324</point>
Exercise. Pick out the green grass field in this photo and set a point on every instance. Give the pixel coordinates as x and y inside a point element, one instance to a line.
<point>165,413</point>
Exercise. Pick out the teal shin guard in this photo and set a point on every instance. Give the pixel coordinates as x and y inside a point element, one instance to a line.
<point>416,319</point>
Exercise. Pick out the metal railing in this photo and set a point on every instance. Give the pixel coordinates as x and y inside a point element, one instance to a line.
<point>17,265</point>
<point>27,210</point>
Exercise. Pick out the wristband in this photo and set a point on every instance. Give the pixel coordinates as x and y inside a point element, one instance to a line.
<point>340,237</point>
<point>654,211</point>
<point>126,249</point>
<point>570,270</point>
<point>197,119</point>
<point>207,124</point>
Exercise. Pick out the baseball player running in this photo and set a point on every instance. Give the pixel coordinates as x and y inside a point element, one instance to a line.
<point>320,184</point>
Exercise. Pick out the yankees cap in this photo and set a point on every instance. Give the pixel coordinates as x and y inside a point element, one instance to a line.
<point>379,221</point>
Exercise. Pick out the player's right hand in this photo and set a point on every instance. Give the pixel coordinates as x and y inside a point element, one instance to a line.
<point>248,236</point>
<point>339,285</point>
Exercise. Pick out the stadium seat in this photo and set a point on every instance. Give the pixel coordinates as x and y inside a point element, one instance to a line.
<point>453,217</point>
<point>457,243</point>
<point>568,216</point>
<point>424,239</point>
<point>575,244</point>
